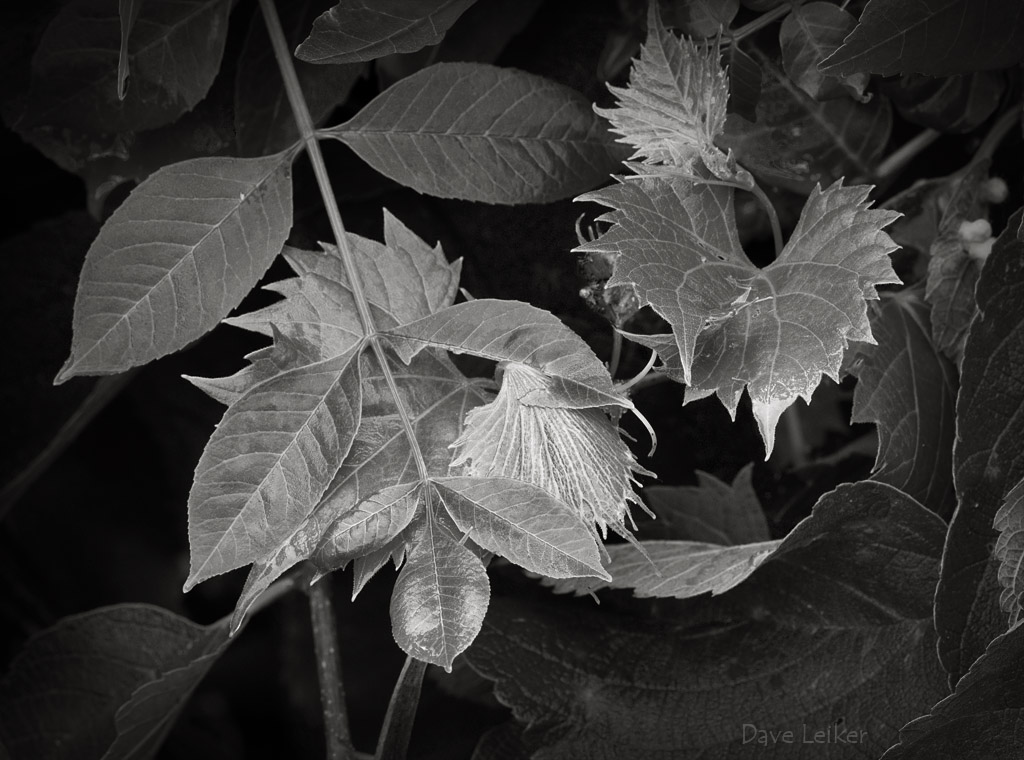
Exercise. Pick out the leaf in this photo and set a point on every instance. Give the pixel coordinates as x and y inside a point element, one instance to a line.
<point>482,133</point>
<point>174,52</point>
<point>798,141</point>
<point>358,30</point>
<point>745,78</point>
<point>988,458</point>
<point>263,118</point>
<point>522,523</point>
<point>810,34</point>
<point>601,684</point>
<point>674,107</point>
<point>512,331</point>
<point>107,683</point>
<point>908,389</point>
<point>981,720</point>
<point>128,10</point>
<point>704,18</point>
<point>182,251</point>
<point>440,598</point>
<point>953,105</point>
<point>269,462</point>
<point>936,37</point>
<point>774,330</point>
<point>952,272</point>
<point>1009,522</point>
<point>711,512</point>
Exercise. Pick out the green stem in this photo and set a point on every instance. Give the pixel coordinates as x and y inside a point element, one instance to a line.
<point>328,667</point>
<point>762,198</point>
<point>613,364</point>
<point>762,21</point>
<point>309,139</point>
<point>394,735</point>
<point>895,162</point>
<point>998,131</point>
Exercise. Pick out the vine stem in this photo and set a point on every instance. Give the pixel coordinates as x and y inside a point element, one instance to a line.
<point>309,138</point>
<point>763,20</point>
<point>895,162</point>
<point>762,198</point>
<point>328,667</point>
<point>397,729</point>
<point>998,131</point>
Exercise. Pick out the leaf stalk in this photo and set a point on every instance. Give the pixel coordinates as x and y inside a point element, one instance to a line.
<point>394,736</point>
<point>328,667</point>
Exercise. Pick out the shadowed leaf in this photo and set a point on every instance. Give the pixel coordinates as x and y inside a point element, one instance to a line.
<point>1009,522</point>
<point>808,35</point>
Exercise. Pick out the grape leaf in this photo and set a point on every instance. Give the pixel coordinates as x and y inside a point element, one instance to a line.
<point>981,719</point>
<point>263,119</point>
<point>952,272</point>
<point>1009,522</point>
<point>908,389</point>
<point>674,106</point>
<point>704,18</point>
<point>808,35</point>
<point>107,683</point>
<point>358,30</point>
<point>604,684</point>
<point>174,52</point>
<point>988,458</point>
<point>953,105</point>
<point>512,331</point>
<point>936,37</point>
<point>440,597</point>
<point>482,133</point>
<point>774,330</point>
<point>522,523</point>
<point>176,257</point>
<point>798,141</point>
<point>128,11</point>
<point>711,512</point>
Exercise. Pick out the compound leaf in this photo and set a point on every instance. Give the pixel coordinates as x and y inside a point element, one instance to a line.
<point>523,523</point>
<point>1009,522</point>
<point>107,683</point>
<point>774,330</point>
<point>182,251</point>
<point>360,30</point>
<point>908,389</point>
<point>440,597</point>
<point>482,133</point>
<point>936,37</point>
<point>988,458</point>
<point>174,52</point>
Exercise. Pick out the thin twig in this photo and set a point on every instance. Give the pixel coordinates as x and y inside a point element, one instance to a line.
<point>998,131</point>
<point>762,21</point>
<point>394,735</point>
<point>328,668</point>
<point>896,161</point>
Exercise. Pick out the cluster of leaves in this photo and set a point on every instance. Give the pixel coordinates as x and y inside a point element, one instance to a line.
<point>354,439</point>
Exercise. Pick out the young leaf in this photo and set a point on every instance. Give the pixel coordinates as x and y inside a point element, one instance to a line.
<point>674,107</point>
<point>440,597</point>
<point>482,133</point>
<point>575,455</point>
<point>601,685</point>
<point>774,330</point>
<point>908,389</point>
<point>711,512</point>
<point>522,523</point>
<point>936,37</point>
<point>981,719</point>
<point>269,461</point>
<point>182,251</point>
<point>174,52</point>
<point>128,10</point>
<point>798,141</point>
<point>1009,522</point>
<point>808,35</point>
<point>952,272</point>
<point>263,120</point>
<point>512,331</point>
<point>107,683</point>
<point>359,30</point>
<point>988,458</point>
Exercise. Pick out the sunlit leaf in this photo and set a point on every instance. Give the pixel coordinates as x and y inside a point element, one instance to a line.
<point>361,30</point>
<point>774,330</point>
<point>1009,522</point>
<point>482,133</point>
<point>172,261</point>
